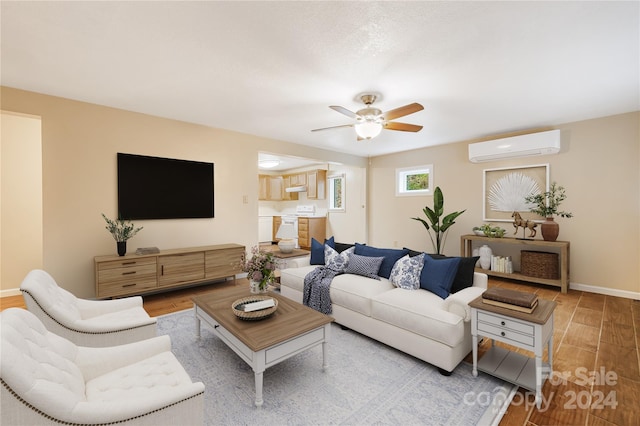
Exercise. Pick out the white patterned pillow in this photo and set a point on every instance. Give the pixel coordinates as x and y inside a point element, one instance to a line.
<point>406,272</point>
<point>334,260</point>
<point>367,266</point>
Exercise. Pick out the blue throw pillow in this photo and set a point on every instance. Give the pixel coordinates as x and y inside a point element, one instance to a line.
<point>391,256</point>
<point>437,275</point>
<point>464,276</point>
<point>366,266</point>
<point>317,250</point>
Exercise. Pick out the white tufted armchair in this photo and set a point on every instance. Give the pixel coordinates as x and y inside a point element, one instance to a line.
<point>85,322</point>
<point>46,379</point>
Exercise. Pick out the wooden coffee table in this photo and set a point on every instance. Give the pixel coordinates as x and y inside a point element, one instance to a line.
<point>293,328</point>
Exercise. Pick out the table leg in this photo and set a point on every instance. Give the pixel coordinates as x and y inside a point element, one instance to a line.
<point>259,379</point>
<point>197,327</point>
<point>325,363</point>
<point>474,345</point>
<point>538,380</point>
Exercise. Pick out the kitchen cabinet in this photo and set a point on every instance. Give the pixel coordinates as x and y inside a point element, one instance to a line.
<point>311,227</point>
<point>286,183</point>
<point>298,179</point>
<point>265,226</point>
<point>263,187</point>
<point>308,228</point>
<point>276,188</point>
<point>316,182</point>
<point>277,220</point>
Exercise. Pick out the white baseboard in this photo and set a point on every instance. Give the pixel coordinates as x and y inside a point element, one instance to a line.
<point>10,292</point>
<point>604,290</point>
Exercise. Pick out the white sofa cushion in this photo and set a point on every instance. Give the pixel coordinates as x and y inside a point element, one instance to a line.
<point>152,377</point>
<point>420,312</point>
<point>294,277</point>
<point>355,292</point>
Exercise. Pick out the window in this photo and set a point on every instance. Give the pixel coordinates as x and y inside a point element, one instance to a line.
<point>336,193</point>
<point>416,180</point>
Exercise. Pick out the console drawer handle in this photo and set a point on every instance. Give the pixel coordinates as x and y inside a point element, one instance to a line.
<point>503,323</point>
<point>128,263</point>
<point>129,285</point>
<point>129,273</point>
<point>502,333</point>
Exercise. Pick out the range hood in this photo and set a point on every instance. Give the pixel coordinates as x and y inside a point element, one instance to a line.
<point>301,188</point>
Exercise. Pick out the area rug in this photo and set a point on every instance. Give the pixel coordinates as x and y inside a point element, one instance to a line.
<point>366,383</point>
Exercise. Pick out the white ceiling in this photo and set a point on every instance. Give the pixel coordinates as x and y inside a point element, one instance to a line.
<point>273,68</point>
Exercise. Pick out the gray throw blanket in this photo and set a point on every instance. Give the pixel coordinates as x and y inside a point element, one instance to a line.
<point>316,289</point>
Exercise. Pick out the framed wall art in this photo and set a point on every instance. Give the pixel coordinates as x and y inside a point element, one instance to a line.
<point>504,190</point>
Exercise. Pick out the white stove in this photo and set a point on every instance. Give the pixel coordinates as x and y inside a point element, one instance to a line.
<point>308,210</point>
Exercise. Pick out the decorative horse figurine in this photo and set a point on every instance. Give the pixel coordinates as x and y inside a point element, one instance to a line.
<point>519,221</point>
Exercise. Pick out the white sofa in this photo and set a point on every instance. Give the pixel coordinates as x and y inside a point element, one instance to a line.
<point>417,322</point>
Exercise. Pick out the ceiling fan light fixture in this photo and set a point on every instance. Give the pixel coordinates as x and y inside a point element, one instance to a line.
<point>368,129</point>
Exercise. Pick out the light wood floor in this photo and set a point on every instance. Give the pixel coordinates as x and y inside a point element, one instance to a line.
<point>593,333</point>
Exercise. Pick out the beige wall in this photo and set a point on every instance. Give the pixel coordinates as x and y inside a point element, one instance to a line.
<point>79,146</point>
<point>20,198</point>
<point>350,225</point>
<point>599,165</point>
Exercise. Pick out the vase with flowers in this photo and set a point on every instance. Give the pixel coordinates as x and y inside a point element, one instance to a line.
<point>121,230</point>
<point>547,205</point>
<point>260,269</point>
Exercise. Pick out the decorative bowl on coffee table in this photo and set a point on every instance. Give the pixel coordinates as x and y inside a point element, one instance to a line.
<point>253,315</point>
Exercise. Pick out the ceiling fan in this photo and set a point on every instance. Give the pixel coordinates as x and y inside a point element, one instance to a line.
<point>370,121</point>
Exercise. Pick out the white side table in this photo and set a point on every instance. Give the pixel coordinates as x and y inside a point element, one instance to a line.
<point>527,331</point>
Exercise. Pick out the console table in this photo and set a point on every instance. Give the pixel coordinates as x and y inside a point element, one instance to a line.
<point>563,246</point>
<point>133,274</point>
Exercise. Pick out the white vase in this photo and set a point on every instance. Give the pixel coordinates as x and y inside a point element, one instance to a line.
<point>254,287</point>
<point>485,256</point>
<point>476,253</point>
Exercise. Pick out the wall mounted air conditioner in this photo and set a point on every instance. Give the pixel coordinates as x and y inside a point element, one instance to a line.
<point>542,143</point>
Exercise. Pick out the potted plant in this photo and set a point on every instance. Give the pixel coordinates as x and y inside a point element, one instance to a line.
<point>435,227</point>
<point>547,204</point>
<point>121,230</point>
<point>260,269</point>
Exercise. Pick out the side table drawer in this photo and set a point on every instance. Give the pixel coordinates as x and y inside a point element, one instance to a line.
<point>505,323</point>
<point>504,333</point>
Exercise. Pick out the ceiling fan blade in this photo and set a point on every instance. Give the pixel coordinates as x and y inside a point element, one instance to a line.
<point>332,127</point>
<point>404,127</point>
<point>402,111</point>
<point>343,110</point>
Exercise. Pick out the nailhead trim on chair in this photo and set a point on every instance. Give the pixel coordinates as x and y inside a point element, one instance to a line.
<point>80,331</point>
<point>48,417</point>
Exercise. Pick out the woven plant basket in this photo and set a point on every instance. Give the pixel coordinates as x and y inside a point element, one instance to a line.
<point>539,264</point>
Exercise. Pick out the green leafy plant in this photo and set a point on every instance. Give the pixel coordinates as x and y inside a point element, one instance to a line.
<point>546,204</point>
<point>120,229</point>
<point>491,231</point>
<point>437,226</point>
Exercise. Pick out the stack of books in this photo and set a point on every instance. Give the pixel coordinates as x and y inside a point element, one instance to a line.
<point>510,299</point>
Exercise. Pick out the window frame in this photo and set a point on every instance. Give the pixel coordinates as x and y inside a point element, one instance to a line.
<point>331,185</point>
<point>401,180</point>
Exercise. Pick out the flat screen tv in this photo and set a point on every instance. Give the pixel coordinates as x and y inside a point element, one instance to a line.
<point>164,188</point>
